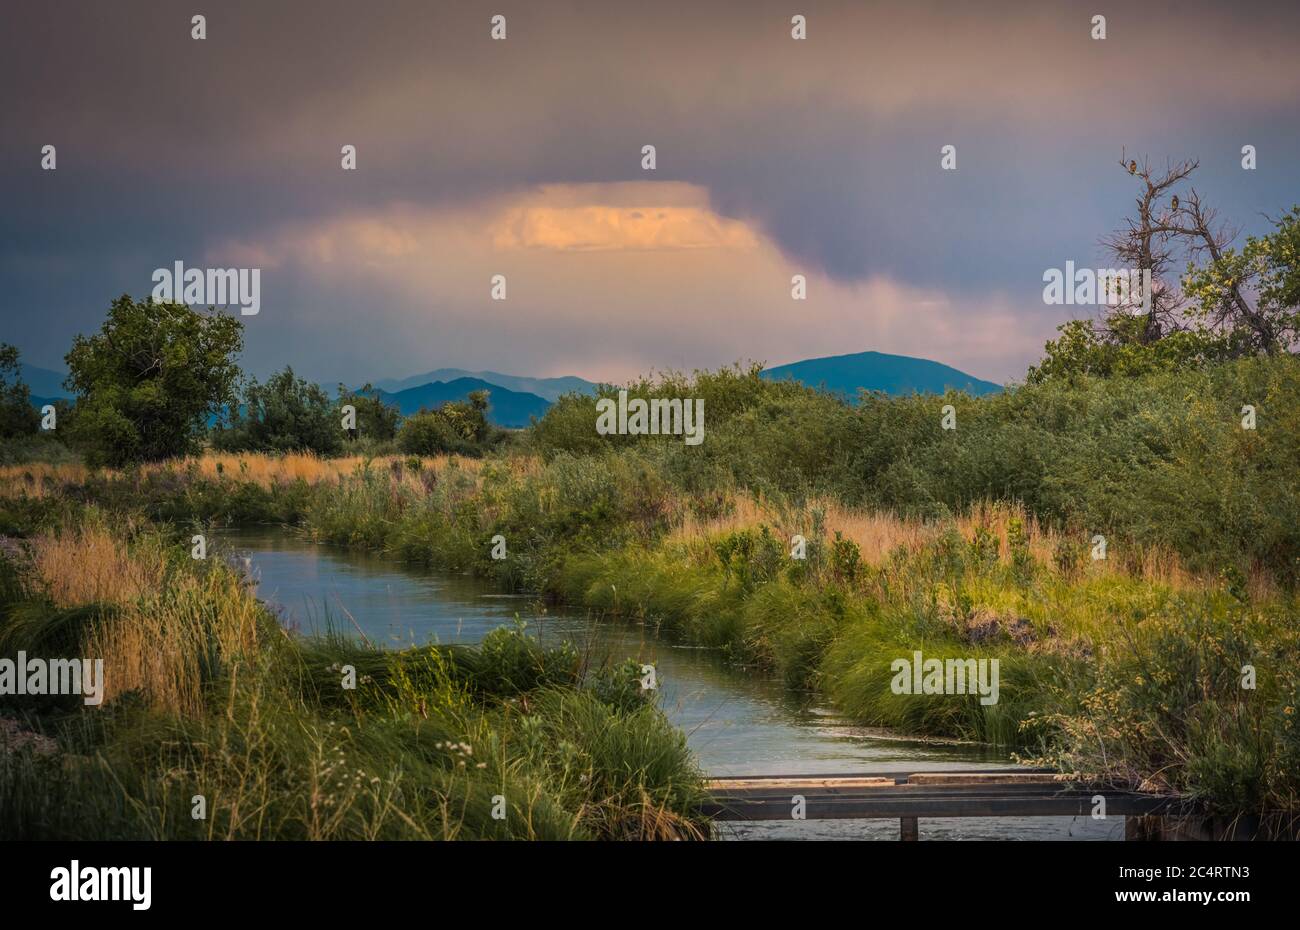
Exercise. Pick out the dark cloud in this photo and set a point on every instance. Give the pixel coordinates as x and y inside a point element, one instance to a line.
<point>169,146</point>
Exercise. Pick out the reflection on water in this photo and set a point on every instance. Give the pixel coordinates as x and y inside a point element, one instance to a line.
<point>737,721</point>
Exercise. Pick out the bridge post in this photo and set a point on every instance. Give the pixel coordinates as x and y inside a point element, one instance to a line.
<point>908,829</point>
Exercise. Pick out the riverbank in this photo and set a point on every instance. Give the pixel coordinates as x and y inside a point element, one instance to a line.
<point>738,720</point>
<point>217,724</point>
<point>1129,669</point>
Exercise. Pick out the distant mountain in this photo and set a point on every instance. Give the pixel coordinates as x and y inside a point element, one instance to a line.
<point>43,381</point>
<point>877,371</point>
<point>514,399</point>
<point>548,388</point>
<point>505,408</point>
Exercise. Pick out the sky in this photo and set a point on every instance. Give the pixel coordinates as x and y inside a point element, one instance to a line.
<point>522,157</point>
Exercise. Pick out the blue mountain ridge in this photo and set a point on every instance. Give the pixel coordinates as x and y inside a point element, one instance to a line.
<point>515,399</point>
<point>878,371</point>
<point>43,381</point>
<point>511,409</point>
<point>548,388</point>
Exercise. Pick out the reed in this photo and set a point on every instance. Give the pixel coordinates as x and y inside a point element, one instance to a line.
<point>207,697</point>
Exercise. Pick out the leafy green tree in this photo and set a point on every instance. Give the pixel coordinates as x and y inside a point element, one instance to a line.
<point>456,426</point>
<point>469,419</point>
<point>1254,292</point>
<point>376,420</point>
<point>1234,303</point>
<point>1083,349</point>
<point>286,414</point>
<point>149,379</point>
<point>17,415</point>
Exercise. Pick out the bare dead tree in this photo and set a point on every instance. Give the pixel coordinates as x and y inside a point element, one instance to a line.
<point>1148,242</point>
<point>1165,230</point>
<point>1208,238</point>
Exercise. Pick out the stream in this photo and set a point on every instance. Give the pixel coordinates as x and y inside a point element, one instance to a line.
<point>738,721</point>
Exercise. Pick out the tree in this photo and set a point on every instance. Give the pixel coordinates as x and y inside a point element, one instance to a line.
<point>149,379</point>
<point>1146,243</point>
<point>376,420</point>
<point>1234,304</point>
<point>286,414</point>
<point>461,427</point>
<point>17,415</point>
<point>1253,293</point>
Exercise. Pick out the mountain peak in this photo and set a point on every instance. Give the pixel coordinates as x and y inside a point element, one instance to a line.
<point>548,388</point>
<point>512,409</point>
<point>879,371</point>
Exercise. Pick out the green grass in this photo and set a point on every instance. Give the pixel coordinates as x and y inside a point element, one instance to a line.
<point>1158,464</point>
<point>506,740</point>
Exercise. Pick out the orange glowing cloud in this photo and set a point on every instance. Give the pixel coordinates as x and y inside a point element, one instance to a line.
<point>591,291</point>
<point>643,216</point>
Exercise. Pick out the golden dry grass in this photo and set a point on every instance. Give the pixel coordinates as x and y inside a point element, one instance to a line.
<point>38,479</point>
<point>878,534</point>
<point>91,565</point>
<point>167,623</point>
<point>267,470</point>
<point>159,644</point>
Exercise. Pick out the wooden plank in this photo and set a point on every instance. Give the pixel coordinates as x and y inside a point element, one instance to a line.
<point>877,804</point>
<point>777,791</point>
<point>912,795</point>
<point>858,810</point>
<point>900,775</point>
<point>989,778</point>
<point>780,783</point>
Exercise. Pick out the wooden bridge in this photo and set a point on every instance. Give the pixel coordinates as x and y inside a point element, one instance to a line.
<point>909,796</point>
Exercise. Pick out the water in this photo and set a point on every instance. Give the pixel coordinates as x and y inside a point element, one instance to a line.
<point>738,721</point>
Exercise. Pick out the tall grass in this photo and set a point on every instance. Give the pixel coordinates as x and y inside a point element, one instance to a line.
<point>976,543</point>
<point>211,709</point>
<point>40,478</point>
<point>163,629</point>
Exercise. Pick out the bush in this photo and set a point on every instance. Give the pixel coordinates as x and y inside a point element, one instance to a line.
<point>376,419</point>
<point>17,415</point>
<point>460,428</point>
<point>287,414</point>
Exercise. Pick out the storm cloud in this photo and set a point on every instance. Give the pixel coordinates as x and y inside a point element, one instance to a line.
<point>523,157</point>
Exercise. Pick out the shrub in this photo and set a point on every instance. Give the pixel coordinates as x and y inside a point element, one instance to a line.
<point>460,428</point>
<point>17,415</point>
<point>287,414</point>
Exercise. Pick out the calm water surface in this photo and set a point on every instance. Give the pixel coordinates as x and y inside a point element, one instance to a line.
<point>738,721</point>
